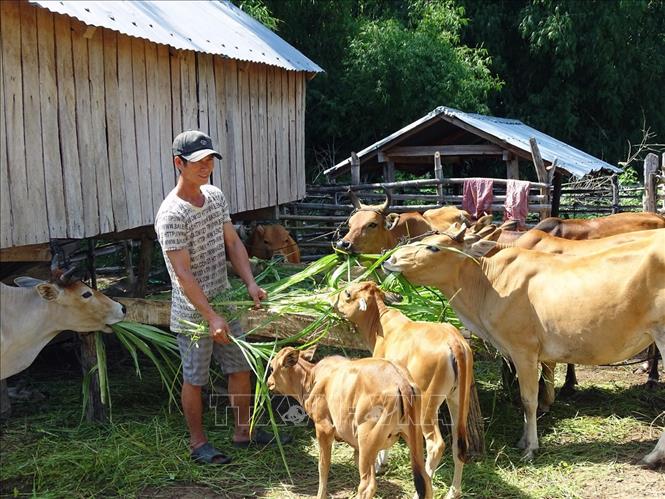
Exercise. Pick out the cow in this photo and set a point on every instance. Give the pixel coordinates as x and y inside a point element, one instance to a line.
<point>595,228</point>
<point>436,356</point>
<point>368,403</point>
<point>266,241</point>
<point>541,307</point>
<point>33,315</point>
<point>442,218</point>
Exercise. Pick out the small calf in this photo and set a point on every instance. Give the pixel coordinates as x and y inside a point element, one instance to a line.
<point>268,240</point>
<point>368,403</point>
<point>436,356</point>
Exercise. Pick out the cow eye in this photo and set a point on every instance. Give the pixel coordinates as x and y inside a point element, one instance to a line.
<point>87,294</point>
<point>265,241</point>
<point>348,294</point>
<point>372,225</point>
<point>433,249</point>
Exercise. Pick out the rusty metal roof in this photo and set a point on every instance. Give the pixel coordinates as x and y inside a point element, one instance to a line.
<point>504,132</point>
<point>214,27</point>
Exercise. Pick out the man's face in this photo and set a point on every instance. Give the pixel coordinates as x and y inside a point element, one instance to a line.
<point>196,172</point>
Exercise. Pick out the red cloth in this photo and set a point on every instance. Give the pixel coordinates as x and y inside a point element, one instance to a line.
<point>477,198</point>
<point>517,201</point>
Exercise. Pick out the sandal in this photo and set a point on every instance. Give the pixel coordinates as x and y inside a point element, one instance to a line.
<point>207,454</point>
<point>262,438</point>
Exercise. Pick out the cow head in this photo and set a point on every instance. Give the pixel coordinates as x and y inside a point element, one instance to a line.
<point>289,372</point>
<point>369,227</point>
<point>80,307</point>
<point>269,240</point>
<point>358,301</point>
<point>428,261</point>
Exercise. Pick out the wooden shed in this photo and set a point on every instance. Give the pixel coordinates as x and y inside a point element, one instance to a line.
<point>92,93</point>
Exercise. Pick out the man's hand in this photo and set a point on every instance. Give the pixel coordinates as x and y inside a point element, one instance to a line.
<point>257,294</point>
<point>219,329</point>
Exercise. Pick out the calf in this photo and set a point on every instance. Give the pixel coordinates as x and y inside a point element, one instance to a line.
<point>269,240</point>
<point>436,356</point>
<point>368,403</point>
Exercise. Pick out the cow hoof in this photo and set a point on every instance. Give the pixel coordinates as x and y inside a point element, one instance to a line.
<point>453,493</point>
<point>651,462</point>
<point>528,455</point>
<point>652,384</point>
<point>567,391</point>
<point>522,444</point>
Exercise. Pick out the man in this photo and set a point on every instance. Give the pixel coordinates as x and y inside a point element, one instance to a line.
<point>196,235</point>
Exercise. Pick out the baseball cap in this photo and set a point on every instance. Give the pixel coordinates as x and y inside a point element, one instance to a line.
<point>193,145</point>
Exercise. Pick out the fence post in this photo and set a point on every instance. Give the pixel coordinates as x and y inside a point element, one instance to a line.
<point>614,180</point>
<point>355,169</point>
<point>438,174</point>
<point>650,167</point>
<point>389,171</point>
<point>544,175</point>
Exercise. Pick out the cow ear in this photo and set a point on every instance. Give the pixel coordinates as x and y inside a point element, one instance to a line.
<point>457,232</point>
<point>291,359</point>
<point>260,229</point>
<point>27,282</point>
<point>391,298</point>
<point>480,248</point>
<point>391,221</point>
<point>484,221</point>
<point>48,291</point>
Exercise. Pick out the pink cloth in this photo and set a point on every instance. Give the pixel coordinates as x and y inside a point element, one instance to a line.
<point>517,201</point>
<point>477,198</point>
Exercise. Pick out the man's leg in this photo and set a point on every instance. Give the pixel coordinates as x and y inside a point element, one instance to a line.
<point>192,407</point>
<point>240,387</point>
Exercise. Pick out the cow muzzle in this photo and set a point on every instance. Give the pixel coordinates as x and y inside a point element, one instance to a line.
<point>391,265</point>
<point>343,245</point>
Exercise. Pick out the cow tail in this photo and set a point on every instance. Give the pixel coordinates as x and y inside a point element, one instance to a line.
<point>463,365</point>
<point>411,410</point>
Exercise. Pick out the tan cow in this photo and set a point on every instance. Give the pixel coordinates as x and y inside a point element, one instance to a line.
<point>368,403</point>
<point>595,228</point>
<point>540,307</point>
<point>436,356</point>
<point>442,218</point>
<point>266,241</point>
<point>372,229</point>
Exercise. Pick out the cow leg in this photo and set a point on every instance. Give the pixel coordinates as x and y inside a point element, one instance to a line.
<point>527,375</point>
<point>546,386</point>
<point>654,355</point>
<point>568,387</point>
<point>434,443</point>
<point>325,437</point>
<point>366,458</point>
<point>381,461</point>
<point>657,455</point>
<point>5,404</point>
<point>455,489</point>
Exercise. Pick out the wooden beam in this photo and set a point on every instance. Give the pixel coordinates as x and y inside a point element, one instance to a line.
<point>28,253</point>
<point>449,150</point>
<point>650,169</point>
<point>438,174</point>
<point>355,169</point>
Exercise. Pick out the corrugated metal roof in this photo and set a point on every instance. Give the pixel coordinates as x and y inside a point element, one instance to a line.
<point>505,131</point>
<point>214,27</point>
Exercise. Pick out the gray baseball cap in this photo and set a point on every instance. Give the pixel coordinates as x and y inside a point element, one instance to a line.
<point>194,145</point>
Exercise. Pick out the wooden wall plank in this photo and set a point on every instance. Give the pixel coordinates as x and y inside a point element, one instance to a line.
<point>208,108</point>
<point>293,141</point>
<point>6,220</point>
<point>37,230</point>
<point>10,26</point>
<point>202,70</point>
<point>253,185</point>
<point>176,93</point>
<point>281,139</point>
<point>127,130</point>
<point>112,112</point>
<point>98,114</point>
<point>234,127</point>
<point>48,97</point>
<point>245,172</point>
<point>300,123</point>
<point>142,135</point>
<point>84,129</point>
<point>264,172</point>
<point>165,113</point>
<point>270,131</point>
<point>154,134</point>
<point>71,170</point>
<point>223,133</point>
<point>190,115</point>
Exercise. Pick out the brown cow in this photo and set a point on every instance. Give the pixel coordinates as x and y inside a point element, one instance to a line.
<point>368,403</point>
<point>595,228</point>
<point>269,240</point>
<point>540,307</point>
<point>436,356</point>
<point>372,229</point>
<point>442,218</point>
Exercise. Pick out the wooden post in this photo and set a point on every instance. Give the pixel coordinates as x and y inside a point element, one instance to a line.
<point>96,411</point>
<point>556,193</point>
<point>543,174</point>
<point>614,180</point>
<point>438,174</point>
<point>355,169</point>
<point>512,167</point>
<point>650,167</point>
<point>5,406</point>
<point>389,171</point>
<point>145,261</point>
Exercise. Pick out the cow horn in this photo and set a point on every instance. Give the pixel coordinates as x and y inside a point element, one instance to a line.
<point>389,197</point>
<point>354,199</point>
<point>66,276</point>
